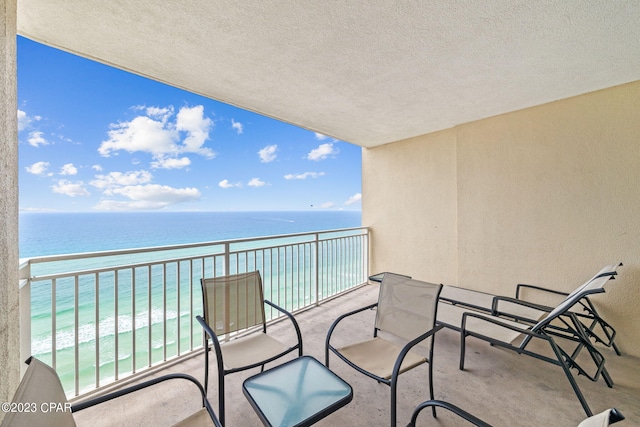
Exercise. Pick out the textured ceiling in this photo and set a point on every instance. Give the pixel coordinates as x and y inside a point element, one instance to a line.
<point>366,72</point>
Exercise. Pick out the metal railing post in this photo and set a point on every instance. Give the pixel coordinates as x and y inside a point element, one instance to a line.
<point>317,267</point>
<point>299,267</point>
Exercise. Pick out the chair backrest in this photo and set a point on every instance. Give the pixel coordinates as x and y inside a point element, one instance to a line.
<point>406,307</point>
<point>41,399</point>
<point>232,303</point>
<point>593,286</point>
<point>609,270</point>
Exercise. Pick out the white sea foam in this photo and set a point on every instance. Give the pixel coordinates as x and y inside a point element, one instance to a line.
<point>65,338</point>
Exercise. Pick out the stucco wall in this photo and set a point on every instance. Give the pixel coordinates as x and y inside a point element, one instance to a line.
<point>410,203</point>
<point>546,195</point>
<point>9,315</point>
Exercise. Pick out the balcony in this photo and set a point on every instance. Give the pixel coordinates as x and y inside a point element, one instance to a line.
<point>316,275</point>
<point>498,386</point>
<point>103,317</point>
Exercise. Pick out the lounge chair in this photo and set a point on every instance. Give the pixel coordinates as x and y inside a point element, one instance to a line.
<point>602,419</point>
<point>527,310</point>
<point>234,319</point>
<point>516,336</point>
<point>406,311</point>
<point>40,400</point>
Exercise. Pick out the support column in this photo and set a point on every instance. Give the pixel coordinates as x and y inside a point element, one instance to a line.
<point>9,294</point>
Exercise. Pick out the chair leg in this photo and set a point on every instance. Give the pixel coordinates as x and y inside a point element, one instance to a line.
<point>394,386</point>
<point>571,379</point>
<point>463,337</point>
<point>206,366</point>
<point>433,408</point>
<point>221,411</point>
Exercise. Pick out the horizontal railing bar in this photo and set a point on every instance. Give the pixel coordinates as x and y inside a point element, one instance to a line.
<point>172,260</point>
<point>100,254</point>
<point>149,304</point>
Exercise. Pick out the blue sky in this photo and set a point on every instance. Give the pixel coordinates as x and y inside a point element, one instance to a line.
<point>94,138</point>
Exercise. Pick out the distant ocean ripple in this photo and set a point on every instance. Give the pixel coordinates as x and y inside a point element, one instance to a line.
<point>65,233</point>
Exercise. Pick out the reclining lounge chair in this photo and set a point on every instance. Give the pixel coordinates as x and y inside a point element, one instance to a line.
<point>507,334</point>
<point>529,311</point>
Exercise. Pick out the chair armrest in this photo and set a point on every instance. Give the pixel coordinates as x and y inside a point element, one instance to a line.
<point>214,340</point>
<point>342,317</point>
<point>451,407</point>
<point>110,396</point>
<point>407,347</point>
<point>496,302</point>
<point>538,288</point>
<point>528,333</point>
<point>293,320</point>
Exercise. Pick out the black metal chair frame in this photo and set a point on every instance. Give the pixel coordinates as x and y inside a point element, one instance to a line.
<point>393,381</point>
<point>543,331</point>
<point>222,372</point>
<point>449,406</point>
<point>614,414</point>
<point>590,317</point>
<point>119,393</point>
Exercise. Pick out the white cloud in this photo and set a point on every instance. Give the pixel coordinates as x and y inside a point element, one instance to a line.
<point>226,184</point>
<point>327,205</point>
<point>192,121</point>
<point>68,169</point>
<point>256,182</point>
<point>140,134</point>
<point>356,198</point>
<point>39,168</point>
<point>155,133</point>
<point>24,120</point>
<point>237,126</point>
<point>268,153</point>
<point>71,189</point>
<point>35,139</point>
<point>97,168</point>
<point>322,152</point>
<point>320,137</point>
<point>162,114</point>
<point>171,163</point>
<point>119,179</point>
<point>150,196</point>
<point>304,175</point>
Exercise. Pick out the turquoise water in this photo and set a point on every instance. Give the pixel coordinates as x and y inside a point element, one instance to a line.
<point>54,234</point>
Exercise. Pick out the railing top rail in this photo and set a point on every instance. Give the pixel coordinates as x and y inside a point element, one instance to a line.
<point>82,255</point>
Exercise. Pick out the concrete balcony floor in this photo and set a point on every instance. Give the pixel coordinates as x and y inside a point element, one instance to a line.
<point>498,386</point>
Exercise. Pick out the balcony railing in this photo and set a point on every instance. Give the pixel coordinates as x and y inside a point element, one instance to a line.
<point>104,316</point>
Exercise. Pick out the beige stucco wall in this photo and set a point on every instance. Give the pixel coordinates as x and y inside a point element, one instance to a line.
<point>546,195</point>
<point>9,315</point>
<point>410,203</point>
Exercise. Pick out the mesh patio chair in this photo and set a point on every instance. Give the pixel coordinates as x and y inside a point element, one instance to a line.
<point>602,419</point>
<point>40,400</point>
<point>517,336</point>
<point>406,311</point>
<point>234,305</point>
<point>528,310</point>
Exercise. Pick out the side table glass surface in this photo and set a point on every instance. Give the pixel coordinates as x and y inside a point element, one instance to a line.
<point>297,393</point>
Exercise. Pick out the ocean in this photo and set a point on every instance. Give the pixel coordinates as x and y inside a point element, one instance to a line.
<point>43,234</point>
<point>69,233</point>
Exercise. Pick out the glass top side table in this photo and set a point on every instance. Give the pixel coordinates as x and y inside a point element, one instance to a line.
<point>297,393</point>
